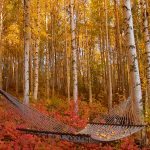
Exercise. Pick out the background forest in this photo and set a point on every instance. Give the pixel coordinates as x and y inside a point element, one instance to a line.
<point>55,51</point>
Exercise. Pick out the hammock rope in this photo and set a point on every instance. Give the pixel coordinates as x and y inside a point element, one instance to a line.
<point>122,121</point>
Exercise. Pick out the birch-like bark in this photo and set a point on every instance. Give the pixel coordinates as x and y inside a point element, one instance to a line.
<point>31,66</point>
<point>36,57</point>
<point>74,56</point>
<point>26,49</point>
<point>32,47</point>
<point>135,83</point>
<point>1,28</point>
<point>147,45</point>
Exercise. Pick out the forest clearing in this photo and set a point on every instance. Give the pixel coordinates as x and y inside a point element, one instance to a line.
<point>74,74</point>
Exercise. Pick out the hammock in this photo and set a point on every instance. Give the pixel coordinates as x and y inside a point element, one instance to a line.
<point>122,121</point>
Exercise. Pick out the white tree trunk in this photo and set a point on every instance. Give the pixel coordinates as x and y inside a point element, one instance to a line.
<point>36,57</point>
<point>74,55</point>
<point>31,66</point>
<point>26,49</point>
<point>135,83</point>
<point>147,45</point>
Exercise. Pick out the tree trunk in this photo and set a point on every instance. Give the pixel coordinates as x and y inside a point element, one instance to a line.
<point>118,48</point>
<point>108,60</point>
<point>1,28</point>
<point>36,57</point>
<point>74,56</point>
<point>47,59</point>
<point>31,67</point>
<point>147,45</point>
<point>135,83</point>
<point>67,56</point>
<point>89,68</point>
<point>52,55</point>
<point>17,75</point>
<point>89,77</point>
<point>27,36</point>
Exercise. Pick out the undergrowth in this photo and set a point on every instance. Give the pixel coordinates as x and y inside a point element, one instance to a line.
<point>11,139</point>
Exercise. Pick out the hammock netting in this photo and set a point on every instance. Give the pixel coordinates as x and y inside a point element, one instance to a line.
<point>122,121</point>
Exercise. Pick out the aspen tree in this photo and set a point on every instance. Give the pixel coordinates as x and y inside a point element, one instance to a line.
<point>32,48</point>
<point>26,49</point>
<point>74,55</point>
<point>36,54</point>
<point>135,83</point>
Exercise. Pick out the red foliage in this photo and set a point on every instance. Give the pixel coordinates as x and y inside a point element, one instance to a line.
<point>10,138</point>
<point>128,144</point>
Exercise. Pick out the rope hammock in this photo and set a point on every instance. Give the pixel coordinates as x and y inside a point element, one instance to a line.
<point>122,121</point>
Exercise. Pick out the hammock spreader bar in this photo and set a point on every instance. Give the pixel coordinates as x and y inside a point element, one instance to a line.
<point>79,138</point>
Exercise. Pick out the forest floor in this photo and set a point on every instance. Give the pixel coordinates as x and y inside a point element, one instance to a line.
<point>11,139</point>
